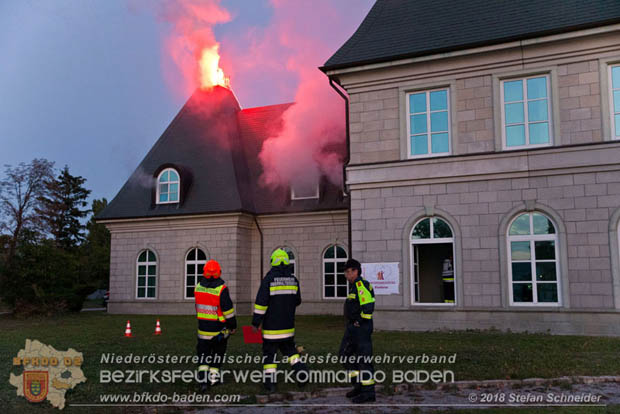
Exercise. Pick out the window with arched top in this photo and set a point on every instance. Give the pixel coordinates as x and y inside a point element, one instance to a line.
<point>291,257</point>
<point>194,263</point>
<point>533,260</point>
<point>432,262</point>
<point>168,186</point>
<point>335,285</point>
<point>146,280</point>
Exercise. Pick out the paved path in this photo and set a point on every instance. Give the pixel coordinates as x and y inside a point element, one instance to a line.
<point>439,400</point>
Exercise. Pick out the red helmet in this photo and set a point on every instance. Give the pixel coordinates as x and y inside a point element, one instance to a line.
<point>212,269</point>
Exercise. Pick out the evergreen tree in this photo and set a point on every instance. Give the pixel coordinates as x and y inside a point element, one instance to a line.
<point>97,247</point>
<point>62,206</point>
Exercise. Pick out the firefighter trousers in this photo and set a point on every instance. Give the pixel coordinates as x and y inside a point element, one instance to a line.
<point>210,353</point>
<point>357,342</point>
<point>288,349</point>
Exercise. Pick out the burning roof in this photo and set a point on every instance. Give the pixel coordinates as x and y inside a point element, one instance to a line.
<point>215,146</point>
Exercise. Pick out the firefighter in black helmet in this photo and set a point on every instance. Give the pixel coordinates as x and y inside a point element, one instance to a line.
<point>357,340</point>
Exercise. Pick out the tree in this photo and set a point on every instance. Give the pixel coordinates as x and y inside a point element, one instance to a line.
<point>44,215</point>
<point>42,279</point>
<point>61,208</point>
<point>97,247</point>
<point>20,191</point>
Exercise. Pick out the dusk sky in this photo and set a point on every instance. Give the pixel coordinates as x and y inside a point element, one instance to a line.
<point>90,84</point>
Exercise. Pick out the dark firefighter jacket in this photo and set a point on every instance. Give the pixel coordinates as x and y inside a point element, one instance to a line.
<point>214,308</point>
<point>360,302</point>
<point>277,298</point>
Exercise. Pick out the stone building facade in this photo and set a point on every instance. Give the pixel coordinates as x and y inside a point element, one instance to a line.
<point>485,169</point>
<point>232,239</point>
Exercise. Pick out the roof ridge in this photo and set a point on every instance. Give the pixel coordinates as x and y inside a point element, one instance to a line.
<point>269,106</point>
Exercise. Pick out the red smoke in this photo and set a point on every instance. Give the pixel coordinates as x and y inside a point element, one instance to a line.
<point>312,141</point>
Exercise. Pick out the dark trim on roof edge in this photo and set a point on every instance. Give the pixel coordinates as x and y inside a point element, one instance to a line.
<point>167,216</point>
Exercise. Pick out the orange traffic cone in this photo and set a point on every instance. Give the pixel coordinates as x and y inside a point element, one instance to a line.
<point>157,328</point>
<point>128,330</point>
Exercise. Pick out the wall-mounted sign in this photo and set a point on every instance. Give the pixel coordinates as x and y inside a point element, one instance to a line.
<point>384,277</point>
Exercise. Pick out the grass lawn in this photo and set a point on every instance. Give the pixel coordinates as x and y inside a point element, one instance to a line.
<point>480,355</point>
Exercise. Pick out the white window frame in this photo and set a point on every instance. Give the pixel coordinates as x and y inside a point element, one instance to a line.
<point>147,276</point>
<point>335,260</point>
<point>178,182</point>
<point>527,145</point>
<point>532,238</point>
<point>196,263</point>
<point>429,143</point>
<point>287,249</point>
<point>612,134</point>
<point>315,196</point>
<point>413,259</point>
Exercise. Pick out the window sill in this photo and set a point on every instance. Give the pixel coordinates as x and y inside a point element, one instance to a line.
<point>425,156</point>
<point>432,305</point>
<point>526,147</point>
<point>535,305</point>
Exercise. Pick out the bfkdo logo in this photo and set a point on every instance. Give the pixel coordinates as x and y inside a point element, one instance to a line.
<point>35,385</point>
<point>47,373</point>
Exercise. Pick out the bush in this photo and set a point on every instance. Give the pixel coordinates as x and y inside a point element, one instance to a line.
<point>44,279</point>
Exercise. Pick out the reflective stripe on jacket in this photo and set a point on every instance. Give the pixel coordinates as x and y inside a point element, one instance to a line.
<point>360,302</point>
<point>214,308</point>
<point>276,301</point>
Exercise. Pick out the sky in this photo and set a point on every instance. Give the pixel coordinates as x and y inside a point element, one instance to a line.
<point>90,84</point>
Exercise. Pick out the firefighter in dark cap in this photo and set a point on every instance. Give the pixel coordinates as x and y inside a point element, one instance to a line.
<point>358,309</point>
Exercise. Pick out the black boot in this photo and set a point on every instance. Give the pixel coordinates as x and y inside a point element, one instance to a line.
<point>270,387</point>
<point>357,389</point>
<point>364,398</point>
<point>203,381</point>
<point>302,376</point>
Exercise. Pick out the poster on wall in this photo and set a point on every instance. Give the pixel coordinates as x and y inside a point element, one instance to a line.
<point>384,277</point>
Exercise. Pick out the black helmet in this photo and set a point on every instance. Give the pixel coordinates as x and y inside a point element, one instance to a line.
<point>353,264</point>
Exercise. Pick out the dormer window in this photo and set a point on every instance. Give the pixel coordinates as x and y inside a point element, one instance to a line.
<point>304,192</point>
<point>168,186</point>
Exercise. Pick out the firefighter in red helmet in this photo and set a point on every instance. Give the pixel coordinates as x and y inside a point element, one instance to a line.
<point>216,321</point>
